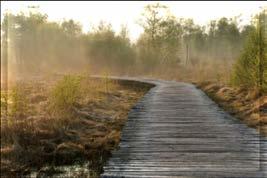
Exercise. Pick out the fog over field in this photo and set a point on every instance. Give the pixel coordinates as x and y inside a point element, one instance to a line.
<point>169,39</point>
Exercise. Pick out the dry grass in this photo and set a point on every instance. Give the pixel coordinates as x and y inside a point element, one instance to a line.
<point>245,104</point>
<point>59,121</point>
<point>205,69</point>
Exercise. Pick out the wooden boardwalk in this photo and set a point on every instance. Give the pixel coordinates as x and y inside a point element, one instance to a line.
<point>175,130</point>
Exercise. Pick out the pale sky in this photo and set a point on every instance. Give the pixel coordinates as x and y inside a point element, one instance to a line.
<point>128,12</point>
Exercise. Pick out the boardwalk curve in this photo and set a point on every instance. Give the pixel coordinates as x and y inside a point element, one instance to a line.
<point>175,130</point>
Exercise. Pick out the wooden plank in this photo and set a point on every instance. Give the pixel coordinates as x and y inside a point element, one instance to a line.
<point>175,130</point>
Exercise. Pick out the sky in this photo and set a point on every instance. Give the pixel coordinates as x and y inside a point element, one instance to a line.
<point>89,13</point>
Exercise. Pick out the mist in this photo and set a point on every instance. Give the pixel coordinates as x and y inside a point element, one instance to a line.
<point>170,47</point>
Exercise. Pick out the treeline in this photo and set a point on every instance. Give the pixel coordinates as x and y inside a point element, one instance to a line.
<point>33,45</point>
<point>169,46</point>
<point>220,39</point>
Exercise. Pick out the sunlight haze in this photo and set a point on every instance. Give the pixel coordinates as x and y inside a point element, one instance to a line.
<point>128,13</point>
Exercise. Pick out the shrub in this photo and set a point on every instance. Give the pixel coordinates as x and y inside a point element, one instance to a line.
<point>4,104</point>
<point>247,68</point>
<point>15,110</point>
<point>19,105</point>
<point>65,94</point>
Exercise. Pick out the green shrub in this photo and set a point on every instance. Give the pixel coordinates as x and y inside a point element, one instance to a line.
<point>18,107</point>
<point>246,71</point>
<point>4,104</point>
<point>66,93</point>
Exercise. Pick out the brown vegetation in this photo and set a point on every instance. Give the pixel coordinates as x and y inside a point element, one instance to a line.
<point>61,121</point>
<point>245,104</point>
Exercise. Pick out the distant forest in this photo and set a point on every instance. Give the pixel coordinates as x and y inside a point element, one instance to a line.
<point>169,48</point>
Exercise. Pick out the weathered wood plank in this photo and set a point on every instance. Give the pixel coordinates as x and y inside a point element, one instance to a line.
<point>175,130</point>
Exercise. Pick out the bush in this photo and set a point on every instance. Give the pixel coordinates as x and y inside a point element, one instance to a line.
<point>15,110</point>
<point>4,104</point>
<point>65,94</point>
<point>19,105</point>
<point>247,68</point>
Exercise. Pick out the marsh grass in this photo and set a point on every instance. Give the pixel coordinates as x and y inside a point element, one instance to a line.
<point>38,116</point>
